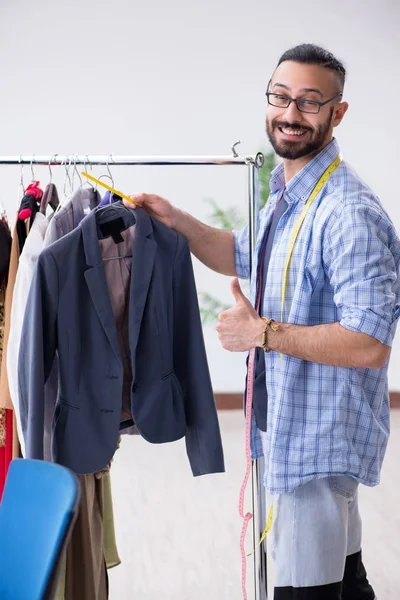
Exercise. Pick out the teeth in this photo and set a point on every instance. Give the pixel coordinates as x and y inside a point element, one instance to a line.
<point>293,131</point>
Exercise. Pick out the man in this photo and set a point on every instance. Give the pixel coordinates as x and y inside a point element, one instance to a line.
<point>321,411</point>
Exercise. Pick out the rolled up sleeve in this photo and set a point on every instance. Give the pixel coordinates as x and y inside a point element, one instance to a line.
<point>361,257</point>
<point>242,256</point>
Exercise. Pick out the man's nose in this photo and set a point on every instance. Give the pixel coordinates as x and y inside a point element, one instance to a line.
<point>292,113</point>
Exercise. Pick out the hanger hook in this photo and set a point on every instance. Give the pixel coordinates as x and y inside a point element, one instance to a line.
<point>50,171</point>
<point>33,174</point>
<point>234,152</point>
<point>108,169</point>
<point>22,175</point>
<point>67,176</point>
<point>76,170</point>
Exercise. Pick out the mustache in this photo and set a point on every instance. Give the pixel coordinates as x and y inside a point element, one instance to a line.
<point>294,126</point>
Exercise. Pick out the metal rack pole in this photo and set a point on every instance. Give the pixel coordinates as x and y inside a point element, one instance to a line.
<point>258,493</point>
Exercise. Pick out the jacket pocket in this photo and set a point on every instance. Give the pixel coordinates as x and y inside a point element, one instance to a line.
<point>168,375</point>
<point>68,405</point>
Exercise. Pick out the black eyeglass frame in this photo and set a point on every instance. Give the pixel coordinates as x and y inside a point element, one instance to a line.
<point>301,100</point>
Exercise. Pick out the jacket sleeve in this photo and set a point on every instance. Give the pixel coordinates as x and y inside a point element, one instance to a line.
<point>203,438</point>
<point>37,351</point>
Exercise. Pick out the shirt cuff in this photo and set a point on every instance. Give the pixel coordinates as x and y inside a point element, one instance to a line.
<point>366,321</point>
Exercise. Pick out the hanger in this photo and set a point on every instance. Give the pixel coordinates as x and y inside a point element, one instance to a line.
<point>111,189</point>
<point>21,186</point>
<point>108,175</point>
<point>107,227</point>
<point>50,196</point>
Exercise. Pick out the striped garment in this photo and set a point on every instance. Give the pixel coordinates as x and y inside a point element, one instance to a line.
<point>324,420</point>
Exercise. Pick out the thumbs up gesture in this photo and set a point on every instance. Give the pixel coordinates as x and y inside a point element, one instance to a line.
<point>240,328</point>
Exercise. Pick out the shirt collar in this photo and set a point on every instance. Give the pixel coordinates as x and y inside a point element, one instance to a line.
<point>301,185</point>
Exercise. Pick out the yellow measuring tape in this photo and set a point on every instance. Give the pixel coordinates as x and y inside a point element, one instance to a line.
<point>331,169</point>
<point>109,188</point>
<point>321,182</point>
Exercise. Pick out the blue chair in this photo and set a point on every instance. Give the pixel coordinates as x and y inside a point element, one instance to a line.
<point>37,513</point>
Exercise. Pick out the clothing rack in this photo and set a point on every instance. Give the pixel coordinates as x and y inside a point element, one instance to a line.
<point>252,163</point>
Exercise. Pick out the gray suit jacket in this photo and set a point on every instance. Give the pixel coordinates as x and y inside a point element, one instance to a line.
<point>69,312</point>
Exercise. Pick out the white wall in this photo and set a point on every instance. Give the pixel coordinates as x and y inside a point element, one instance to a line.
<point>178,77</point>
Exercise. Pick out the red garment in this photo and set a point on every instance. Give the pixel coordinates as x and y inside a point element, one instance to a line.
<point>6,451</point>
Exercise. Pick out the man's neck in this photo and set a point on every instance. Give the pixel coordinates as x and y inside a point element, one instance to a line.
<point>292,167</point>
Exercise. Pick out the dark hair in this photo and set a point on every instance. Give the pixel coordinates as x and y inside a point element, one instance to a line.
<point>310,54</point>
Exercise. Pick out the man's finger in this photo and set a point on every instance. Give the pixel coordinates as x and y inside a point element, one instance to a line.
<point>237,290</point>
<point>136,199</point>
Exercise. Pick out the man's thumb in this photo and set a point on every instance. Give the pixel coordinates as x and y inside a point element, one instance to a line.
<point>237,290</point>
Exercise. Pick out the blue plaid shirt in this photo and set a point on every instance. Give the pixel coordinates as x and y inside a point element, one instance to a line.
<point>324,420</point>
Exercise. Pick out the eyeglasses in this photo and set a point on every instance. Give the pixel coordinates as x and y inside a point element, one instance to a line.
<point>306,106</point>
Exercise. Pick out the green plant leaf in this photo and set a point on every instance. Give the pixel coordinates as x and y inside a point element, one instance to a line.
<point>224,219</point>
<point>210,308</point>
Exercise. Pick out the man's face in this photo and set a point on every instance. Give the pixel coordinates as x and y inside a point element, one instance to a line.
<point>292,133</point>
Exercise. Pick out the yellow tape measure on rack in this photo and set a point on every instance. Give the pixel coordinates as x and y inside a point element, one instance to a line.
<point>331,169</point>
<point>109,188</point>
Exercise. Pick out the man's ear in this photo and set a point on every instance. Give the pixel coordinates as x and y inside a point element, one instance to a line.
<point>339,112</point>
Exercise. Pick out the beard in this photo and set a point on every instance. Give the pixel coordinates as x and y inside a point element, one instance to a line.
<point>297,149</point>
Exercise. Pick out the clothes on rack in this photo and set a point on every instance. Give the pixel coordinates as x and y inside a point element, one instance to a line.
<point>100,346</point>
<point>95,525</point>
<point>171,394</point>
<point>27,262</point>
<point>7,423</point>
<point>50,198</point>
<point>109,198</point>
<point>71,214</point>
<point>29,207</point>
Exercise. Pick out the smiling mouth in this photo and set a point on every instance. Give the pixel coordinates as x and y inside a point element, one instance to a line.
<point>294,133</point>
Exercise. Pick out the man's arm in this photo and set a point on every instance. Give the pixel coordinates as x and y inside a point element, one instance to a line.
<point>213,247</point>
<point>360,256</point>
<point>240,329</point>
<point>330,344</point>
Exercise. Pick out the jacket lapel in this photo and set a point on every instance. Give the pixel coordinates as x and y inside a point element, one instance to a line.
<point>144,254</point>
<point>97,283</point>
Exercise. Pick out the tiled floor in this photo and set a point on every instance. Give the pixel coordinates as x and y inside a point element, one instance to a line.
<point>178,535</point>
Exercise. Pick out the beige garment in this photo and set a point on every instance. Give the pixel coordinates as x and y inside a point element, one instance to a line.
<point>111,555</point>
<point>81,558</point>
<point>95,527</point>
<point>5,398</point>
<point>117,261</point>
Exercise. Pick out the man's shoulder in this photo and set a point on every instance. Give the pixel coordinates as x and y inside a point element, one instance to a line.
<point>346,190</point>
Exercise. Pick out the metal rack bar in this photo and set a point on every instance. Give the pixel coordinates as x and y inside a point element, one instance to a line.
<point>126,160</point>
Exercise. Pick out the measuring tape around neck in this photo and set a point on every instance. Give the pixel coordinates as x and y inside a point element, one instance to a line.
<point>321,182</point>
<point>250,377</point>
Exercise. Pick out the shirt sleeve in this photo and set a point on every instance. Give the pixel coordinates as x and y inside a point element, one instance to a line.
<point>242,255</point>
<point>361,254</point>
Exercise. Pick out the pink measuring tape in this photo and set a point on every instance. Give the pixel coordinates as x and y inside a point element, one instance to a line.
<point>249,406</point>
<point>248,516</point>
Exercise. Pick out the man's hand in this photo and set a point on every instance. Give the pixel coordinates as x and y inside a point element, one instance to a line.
<point>240,328</point>
<point>156,206</point>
